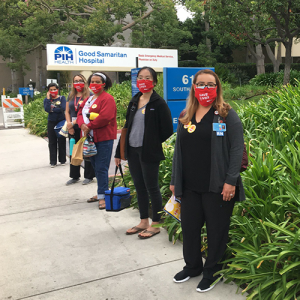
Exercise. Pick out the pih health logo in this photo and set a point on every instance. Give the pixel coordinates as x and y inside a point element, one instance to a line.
<point>63,55</point>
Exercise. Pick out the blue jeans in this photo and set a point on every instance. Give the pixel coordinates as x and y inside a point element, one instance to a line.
<point>100,163</point>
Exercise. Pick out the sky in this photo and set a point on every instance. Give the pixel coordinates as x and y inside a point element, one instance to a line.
<point>183,13</point>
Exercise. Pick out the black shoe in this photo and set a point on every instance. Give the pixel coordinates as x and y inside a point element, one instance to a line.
<point>72,181</point>
<point>205,285</point>
<point>183,276</point>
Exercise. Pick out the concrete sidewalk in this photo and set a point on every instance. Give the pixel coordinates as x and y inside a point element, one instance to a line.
<point>54,245</point>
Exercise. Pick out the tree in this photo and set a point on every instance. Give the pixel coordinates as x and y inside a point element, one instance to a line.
<point>31,24</point>
<point>161,29</point>
<point>261,22</point>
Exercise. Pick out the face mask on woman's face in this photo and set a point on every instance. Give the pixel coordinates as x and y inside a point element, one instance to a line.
<point>54,93</point>
<point>79,86</point>
<point>96,87</point>
<point>144,85</point>
<point>206,96</point>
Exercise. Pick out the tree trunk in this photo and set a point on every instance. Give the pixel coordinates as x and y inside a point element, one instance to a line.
<point>272,57</point>
<point>17,79</point>
<point>259,58</point>
<point>38,69</point>
<point>288,61</point>
<point>208,41</point>
<point>279,57</point>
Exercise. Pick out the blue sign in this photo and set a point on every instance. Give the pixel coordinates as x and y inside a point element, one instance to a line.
<point>176,107</point>
<point>178,82</point>
<point>134,88</point>
<point>26,91</point>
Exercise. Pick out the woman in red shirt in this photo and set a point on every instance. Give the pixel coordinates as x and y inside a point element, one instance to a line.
<point>103,129</point>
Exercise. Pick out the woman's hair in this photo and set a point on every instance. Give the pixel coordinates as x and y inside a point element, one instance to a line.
<point>85,92</point>
<point>52,84</point>
<point>192,102</point>
<point>152,72</point>
<point>104,77</point>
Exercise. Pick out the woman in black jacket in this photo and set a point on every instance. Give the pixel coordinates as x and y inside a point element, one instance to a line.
<point>206,176</point>
<point>149,124</point>
<point>55,106</point>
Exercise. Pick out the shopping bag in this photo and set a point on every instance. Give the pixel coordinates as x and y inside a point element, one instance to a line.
<point>64,130</point>
<point>122,143</point>
<point>77,154</point>
<point>58,127</point>
<point>89,147</point>
<point>173,208</point>
<point>117,198</point>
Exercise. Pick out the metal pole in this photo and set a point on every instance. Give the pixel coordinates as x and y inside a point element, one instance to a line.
<point>136,62</point>
<point>58,82</point>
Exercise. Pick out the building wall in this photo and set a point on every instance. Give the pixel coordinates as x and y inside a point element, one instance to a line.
<point>5,76</point>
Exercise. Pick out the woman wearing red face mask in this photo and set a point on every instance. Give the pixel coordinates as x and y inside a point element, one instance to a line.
<point>206,176</point>
<point>103,129</point>
<point>79,92</point>
<point>149,124</point>
<point>55,106</point>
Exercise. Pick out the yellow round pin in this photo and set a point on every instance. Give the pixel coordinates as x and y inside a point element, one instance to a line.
<point>143,111</point>
<point>187,125</point>
<point>94,105</point>
<point>192,128</point>
<point>57,103</point>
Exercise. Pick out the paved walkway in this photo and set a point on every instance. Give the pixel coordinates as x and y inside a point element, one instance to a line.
<point>54,245</point>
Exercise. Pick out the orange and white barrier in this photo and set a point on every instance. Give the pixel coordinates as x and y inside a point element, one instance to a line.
<point>12,109</point>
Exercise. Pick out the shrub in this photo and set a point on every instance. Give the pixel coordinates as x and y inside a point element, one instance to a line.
<point>275,79</point>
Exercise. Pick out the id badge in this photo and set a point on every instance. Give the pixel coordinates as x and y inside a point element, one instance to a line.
<point>221,127</point>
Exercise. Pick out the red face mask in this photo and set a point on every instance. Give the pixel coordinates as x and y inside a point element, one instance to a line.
<point>79,86</point>
<point>96,87</point>
<point>144,85</point>
<point>206,96</point>
<point>54,93</point>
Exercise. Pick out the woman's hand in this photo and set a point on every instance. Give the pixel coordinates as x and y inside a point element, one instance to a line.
<point>117,161</point>
<point>48,95</point>
<point>172,189</point>
<point>72,131</point>
<point>69,125</point>
<point>85,129</point>
<point>228,192</point>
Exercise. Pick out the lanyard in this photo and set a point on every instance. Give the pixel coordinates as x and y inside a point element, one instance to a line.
<point>76,103</point>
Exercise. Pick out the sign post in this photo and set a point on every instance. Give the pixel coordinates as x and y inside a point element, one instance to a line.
<point>177,86</point>
<point>134,88</point>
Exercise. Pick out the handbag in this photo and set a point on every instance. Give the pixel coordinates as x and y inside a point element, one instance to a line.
<point>245,162</point>
<point>116,199</point>
<point>89,147</point>
<point>173,208</point>
<point>64,130</point>
<point>77,154</point>
<point>58,128</point>
<point>122,143</point>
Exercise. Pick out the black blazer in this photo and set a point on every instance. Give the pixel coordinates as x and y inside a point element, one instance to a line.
<point>158,127</point>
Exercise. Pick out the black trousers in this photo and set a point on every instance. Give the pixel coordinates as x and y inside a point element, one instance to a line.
<point>145,178</point>
<point>53,141</point>
<point>197,209</point>
<point>88,168</point>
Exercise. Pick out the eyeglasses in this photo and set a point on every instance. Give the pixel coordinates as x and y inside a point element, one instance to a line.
<point>201,85</point>
<point>78,81</point>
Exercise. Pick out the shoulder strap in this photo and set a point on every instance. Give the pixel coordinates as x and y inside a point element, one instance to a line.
<point>113,184</point>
